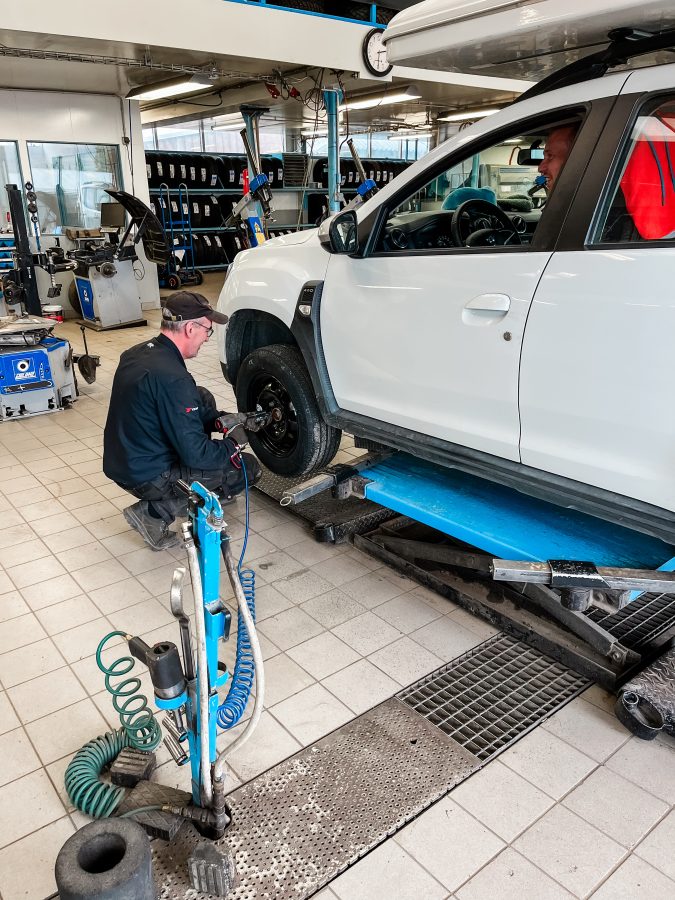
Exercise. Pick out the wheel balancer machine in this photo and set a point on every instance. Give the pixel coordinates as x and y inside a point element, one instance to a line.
<point>186,685</point>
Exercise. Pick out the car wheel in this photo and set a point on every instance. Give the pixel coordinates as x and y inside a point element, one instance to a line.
<point>299,441</point>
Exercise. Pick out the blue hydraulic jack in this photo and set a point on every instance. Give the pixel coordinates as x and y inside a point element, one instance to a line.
<point>564,575</point>
<point>186,686</point>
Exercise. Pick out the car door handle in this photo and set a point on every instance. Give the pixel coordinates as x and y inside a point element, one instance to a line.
<point>492,303</point>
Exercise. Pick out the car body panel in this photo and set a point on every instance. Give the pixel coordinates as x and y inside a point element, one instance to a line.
<point>420,343</point>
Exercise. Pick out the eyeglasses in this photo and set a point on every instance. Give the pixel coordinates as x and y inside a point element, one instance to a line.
<point>209,330</point>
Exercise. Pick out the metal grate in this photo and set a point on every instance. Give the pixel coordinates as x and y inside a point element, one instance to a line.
<point>641,622</point>
<point>489,697</point>
<point>300,824</point>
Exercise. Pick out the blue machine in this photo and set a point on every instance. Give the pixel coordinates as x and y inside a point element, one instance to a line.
<point>36,378</point>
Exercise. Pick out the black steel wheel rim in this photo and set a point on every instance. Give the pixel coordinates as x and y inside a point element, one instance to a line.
<point>266,393</point>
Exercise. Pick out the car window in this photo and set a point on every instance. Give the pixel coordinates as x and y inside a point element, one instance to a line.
<point>641,203</point>
<point>494,197</point>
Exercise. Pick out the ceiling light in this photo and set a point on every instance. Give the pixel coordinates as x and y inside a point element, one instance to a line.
<point>410,135</point>
<point>230,122</point>
<point>174,87</point>
<point>371,101</point>
<point>467,114</point>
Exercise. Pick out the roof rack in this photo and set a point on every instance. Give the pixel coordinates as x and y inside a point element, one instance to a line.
<point>624,44</point>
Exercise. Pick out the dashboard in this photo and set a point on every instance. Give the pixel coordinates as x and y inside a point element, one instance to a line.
<point>431,230</point>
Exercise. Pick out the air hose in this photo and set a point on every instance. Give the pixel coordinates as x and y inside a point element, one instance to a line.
<point>140,729</point>
<point>233,707</point>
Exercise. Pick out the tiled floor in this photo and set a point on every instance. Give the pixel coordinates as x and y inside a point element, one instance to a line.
<point>575,809</point>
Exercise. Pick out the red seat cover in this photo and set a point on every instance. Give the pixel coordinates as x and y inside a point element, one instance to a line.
<point>648,182</point>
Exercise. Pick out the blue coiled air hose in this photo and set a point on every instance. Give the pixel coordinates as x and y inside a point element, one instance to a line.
<point>233,707</point>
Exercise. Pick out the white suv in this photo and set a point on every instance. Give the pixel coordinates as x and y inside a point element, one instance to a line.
<point>465,319</point>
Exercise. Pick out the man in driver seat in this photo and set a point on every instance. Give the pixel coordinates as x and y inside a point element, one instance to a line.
<point>558,146</point>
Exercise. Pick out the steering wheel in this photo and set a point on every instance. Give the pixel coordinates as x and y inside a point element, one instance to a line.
<point>478,223</point>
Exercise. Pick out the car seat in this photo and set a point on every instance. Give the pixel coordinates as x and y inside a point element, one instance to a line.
<point>462,194</point>
<point>648,181</point>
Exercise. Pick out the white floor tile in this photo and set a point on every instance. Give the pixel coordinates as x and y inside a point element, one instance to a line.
<point>283,678</point>
<point>270,744</point>
<point>78,643</point>
<point>618,807</point>
<point>28,662</point>
<point>367,633</point>
<point>657,848</point>
<point>27,866</point>
<point>12,605</point>
<point>512,877</point>
<point>302,585</point>
<point>291,627</point>
<point>69,614</point>
<point>548,763</point>
<point>648,764</point>
<point>8,717</point>
<point>66,730</point>
<point>571,851</point>
<point>588,728</point>
<point>333,608</point>
<point>407,613</point>
<point>311,714</point>
<point>361,686</point>
<point>17,755</point>
<point>46,694</point>
<point>371,590</point>
<point>446,825</point>
<point>636,880</point>
<point>323,655</point>
<point>27,804</point>
<point>405,661</point>
<point>502,800</point>
<point>387,872</point>
<point>52,591</point>
<point>445,637</point>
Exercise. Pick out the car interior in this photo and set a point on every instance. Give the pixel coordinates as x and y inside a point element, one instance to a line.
<point>492,198</point>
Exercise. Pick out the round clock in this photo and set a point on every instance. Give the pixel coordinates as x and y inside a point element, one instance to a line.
<point>375,53</point>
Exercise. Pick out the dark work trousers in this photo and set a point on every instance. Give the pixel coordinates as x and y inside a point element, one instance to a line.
<point>169,501</point>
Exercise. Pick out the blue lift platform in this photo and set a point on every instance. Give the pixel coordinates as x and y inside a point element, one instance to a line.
<point>562,580</point>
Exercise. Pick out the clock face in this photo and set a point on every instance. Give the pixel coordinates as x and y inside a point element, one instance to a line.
<point>375,53</point>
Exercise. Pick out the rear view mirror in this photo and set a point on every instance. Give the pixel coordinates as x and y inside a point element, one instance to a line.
<point>340,233</point>
<point>531,156</point>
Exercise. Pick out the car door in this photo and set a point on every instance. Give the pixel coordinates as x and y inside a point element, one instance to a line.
<point>428,337</point>
<point>603,317</point>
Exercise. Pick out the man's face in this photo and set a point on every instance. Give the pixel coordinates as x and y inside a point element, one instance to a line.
<point>558,145</point>
<point>197,332</point>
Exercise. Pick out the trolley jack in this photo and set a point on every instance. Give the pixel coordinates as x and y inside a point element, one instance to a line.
<point>186,685</point>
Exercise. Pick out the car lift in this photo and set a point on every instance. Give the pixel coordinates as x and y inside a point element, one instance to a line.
<point>541,572</point>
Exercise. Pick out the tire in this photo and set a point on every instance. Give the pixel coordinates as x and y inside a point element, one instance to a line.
<point>173,282</point>
<point>199,277</point>
<point>74,298</point>
<point>301,443</point>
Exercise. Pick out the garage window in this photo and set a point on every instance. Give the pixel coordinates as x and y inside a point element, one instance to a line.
<point>642,197</point>
<point>70,182</point>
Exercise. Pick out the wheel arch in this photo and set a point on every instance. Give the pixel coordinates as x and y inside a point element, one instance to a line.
<point>248,330</point>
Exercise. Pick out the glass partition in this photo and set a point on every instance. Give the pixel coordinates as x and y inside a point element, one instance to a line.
<point>70,182</point>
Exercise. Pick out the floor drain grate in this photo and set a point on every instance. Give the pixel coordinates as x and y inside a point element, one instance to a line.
<point>641,622</point>
<point>492,695</point>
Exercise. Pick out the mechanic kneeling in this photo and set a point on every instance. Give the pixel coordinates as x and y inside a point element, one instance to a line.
<point>160,424</point>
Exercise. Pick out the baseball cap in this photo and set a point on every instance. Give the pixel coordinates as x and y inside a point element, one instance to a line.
<point>185,305</point>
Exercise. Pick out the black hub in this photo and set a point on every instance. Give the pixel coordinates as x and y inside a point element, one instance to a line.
<point>280,437</point>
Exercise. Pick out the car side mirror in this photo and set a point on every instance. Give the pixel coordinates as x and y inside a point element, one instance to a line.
<point>340,233</point>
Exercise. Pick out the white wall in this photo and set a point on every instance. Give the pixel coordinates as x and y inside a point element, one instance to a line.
<point>84,118</point>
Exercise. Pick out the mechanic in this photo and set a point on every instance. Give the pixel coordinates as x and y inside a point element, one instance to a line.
<point>160,424</point>
<point>558,145</point>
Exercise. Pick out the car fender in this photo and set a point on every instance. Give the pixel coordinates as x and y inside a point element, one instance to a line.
<point>268,280</point>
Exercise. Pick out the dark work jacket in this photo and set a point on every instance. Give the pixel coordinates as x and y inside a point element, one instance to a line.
<point>154,417</point>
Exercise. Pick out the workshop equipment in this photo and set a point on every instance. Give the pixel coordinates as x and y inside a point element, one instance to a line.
<point>537,570</point>
<point>366,187</point>
<point>176,212</point>
<point>186,683</point>
<point>106,270</point>
<point>251,213</point>
<point>646,703</point>
<point>36,368</point>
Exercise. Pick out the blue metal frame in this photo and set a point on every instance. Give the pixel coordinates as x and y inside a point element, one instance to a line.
<point>505,523</point>
<point>371,23</point>
<point>206,522</point>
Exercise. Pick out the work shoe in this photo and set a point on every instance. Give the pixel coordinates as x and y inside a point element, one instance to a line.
<point>155,532</point>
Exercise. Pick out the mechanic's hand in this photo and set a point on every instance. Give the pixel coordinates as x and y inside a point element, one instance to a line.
<point>227,421</point>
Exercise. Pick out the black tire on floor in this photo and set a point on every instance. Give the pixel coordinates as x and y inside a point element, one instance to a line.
<point>276,376</point>
<point>199,277</point>
<point>107,859</point>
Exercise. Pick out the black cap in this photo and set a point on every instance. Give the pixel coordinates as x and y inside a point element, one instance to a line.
<point>185,305</point>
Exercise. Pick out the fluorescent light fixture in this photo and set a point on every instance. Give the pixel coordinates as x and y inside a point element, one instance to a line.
<point>410,135</point>
<point>383,98</point>
<point>173,87</point>
<point>229,122</point>
<point>467,114</point>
